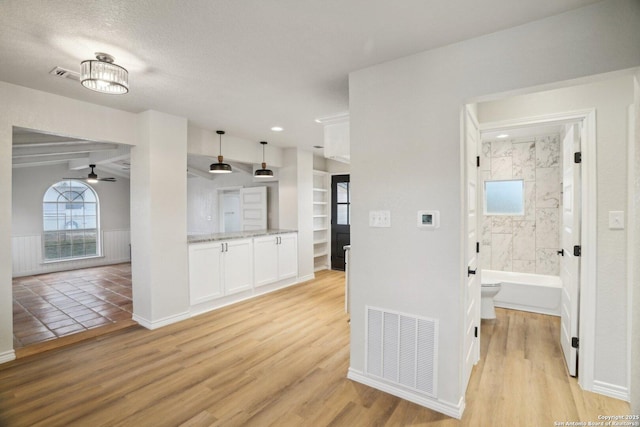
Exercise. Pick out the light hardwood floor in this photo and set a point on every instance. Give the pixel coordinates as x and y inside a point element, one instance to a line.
<point>281,360</point>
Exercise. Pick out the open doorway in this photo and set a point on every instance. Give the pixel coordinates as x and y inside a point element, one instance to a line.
<point>601,105</point>
<point>70,237</point>
<point>531,222</point>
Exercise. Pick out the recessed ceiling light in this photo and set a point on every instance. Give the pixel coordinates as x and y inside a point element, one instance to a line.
<point>503,135</point>
<point>277,129</point>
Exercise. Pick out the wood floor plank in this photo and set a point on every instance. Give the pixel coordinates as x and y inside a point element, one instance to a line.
<point>282,360</point>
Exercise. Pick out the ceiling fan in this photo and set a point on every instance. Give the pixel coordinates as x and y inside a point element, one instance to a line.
<point>92,178</point>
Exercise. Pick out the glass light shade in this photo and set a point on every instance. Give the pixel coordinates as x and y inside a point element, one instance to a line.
<point>103,76</point>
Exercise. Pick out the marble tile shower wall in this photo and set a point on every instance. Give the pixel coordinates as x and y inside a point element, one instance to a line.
<point>527,243</point>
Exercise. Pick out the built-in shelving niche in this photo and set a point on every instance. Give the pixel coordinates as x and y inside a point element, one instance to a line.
<point>321,221</point>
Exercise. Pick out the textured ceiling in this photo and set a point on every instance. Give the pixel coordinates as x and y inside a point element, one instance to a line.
<point>240,65</point>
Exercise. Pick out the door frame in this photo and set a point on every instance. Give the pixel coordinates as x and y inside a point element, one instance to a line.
<point>587,299</point>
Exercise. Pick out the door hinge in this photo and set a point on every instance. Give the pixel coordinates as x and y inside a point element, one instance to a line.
<point>577,250</point>
<point>577,157</point>
<point>477,247</point>
<point>475,332</point>
<point>478,161</point>
<point>575,342</point>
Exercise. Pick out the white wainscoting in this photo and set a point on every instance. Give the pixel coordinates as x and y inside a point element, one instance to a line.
<point>26,252</point>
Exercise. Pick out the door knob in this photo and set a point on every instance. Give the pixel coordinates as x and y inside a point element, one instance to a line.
<point>561,252</point>
<point>470,271</point>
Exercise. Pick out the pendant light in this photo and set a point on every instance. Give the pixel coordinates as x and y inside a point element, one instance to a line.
<point>220,167</point>
<point>264,172</point>
<point>102,75</point>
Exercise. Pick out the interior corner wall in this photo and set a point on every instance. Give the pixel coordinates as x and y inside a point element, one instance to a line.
<point>405,156</point>
<point>610,98</point>
<point>159,220</point>
<point>635,291</point>
<point>296,204</point>
<point>6,290</point>
<point>305,215</point>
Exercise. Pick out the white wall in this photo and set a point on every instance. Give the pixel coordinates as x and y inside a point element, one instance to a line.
<point>202,200</point>
<point>405,156</point>
<point>296,204</point>
<point>610,98</point>
<point>334,167</point>
<point>159,220</point>
<point>29,186</point>
<point>635,303</point>
<point>207,143</point>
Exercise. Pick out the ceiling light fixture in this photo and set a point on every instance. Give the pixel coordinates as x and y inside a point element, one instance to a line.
<point>277,129</point>
<point>102,75</point>
<point>503,135</point>
<point>220,167</point>
<point>264,172</point>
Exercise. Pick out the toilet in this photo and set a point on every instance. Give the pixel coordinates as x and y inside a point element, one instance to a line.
<point>487,292</point>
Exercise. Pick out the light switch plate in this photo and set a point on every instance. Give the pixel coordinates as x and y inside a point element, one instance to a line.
<point>380,219</point>
<point>616,220</point>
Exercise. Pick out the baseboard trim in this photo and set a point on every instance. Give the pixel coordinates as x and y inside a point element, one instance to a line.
<point>611,390</point>
<point>7,356</point>
<point>447,408</point>
<point>306,278</point>
<point>160,322</point>
<point>530,309</point>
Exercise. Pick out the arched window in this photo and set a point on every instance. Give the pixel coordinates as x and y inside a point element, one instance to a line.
<point>70,221</point>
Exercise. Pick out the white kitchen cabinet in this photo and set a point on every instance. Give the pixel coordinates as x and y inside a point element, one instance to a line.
<point>265,255</point>
<point>288,256</point>
<point>205,281</point>
<point>220,268</point>
<point>276,258</point>
<point>237,266</point>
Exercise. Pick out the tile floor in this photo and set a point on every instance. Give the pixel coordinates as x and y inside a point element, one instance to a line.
<point>54,305</point>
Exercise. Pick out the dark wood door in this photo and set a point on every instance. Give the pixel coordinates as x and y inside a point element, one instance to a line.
<point>340,219</point>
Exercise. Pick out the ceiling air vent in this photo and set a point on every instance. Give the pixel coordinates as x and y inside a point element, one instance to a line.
<point>65,74</point>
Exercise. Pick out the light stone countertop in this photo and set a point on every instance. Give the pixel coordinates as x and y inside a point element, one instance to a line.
<point>212,237</point>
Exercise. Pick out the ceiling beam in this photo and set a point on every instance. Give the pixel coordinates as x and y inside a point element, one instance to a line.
<point>29,150</point>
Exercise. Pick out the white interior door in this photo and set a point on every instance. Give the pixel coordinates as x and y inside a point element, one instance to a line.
<point>254,208</point>
<point>570,263</point>
<point>230,211</point>
<point>472,275</point>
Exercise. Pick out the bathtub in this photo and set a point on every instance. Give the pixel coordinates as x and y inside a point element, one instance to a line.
<point>537,293</point>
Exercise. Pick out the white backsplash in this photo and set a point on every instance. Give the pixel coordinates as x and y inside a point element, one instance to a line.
<point>526,243</point>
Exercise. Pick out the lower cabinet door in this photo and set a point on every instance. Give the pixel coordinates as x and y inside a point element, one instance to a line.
<point>205,278</point>
<point>288,256</point>
<point>265,256</point>
<point>238,266</point>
